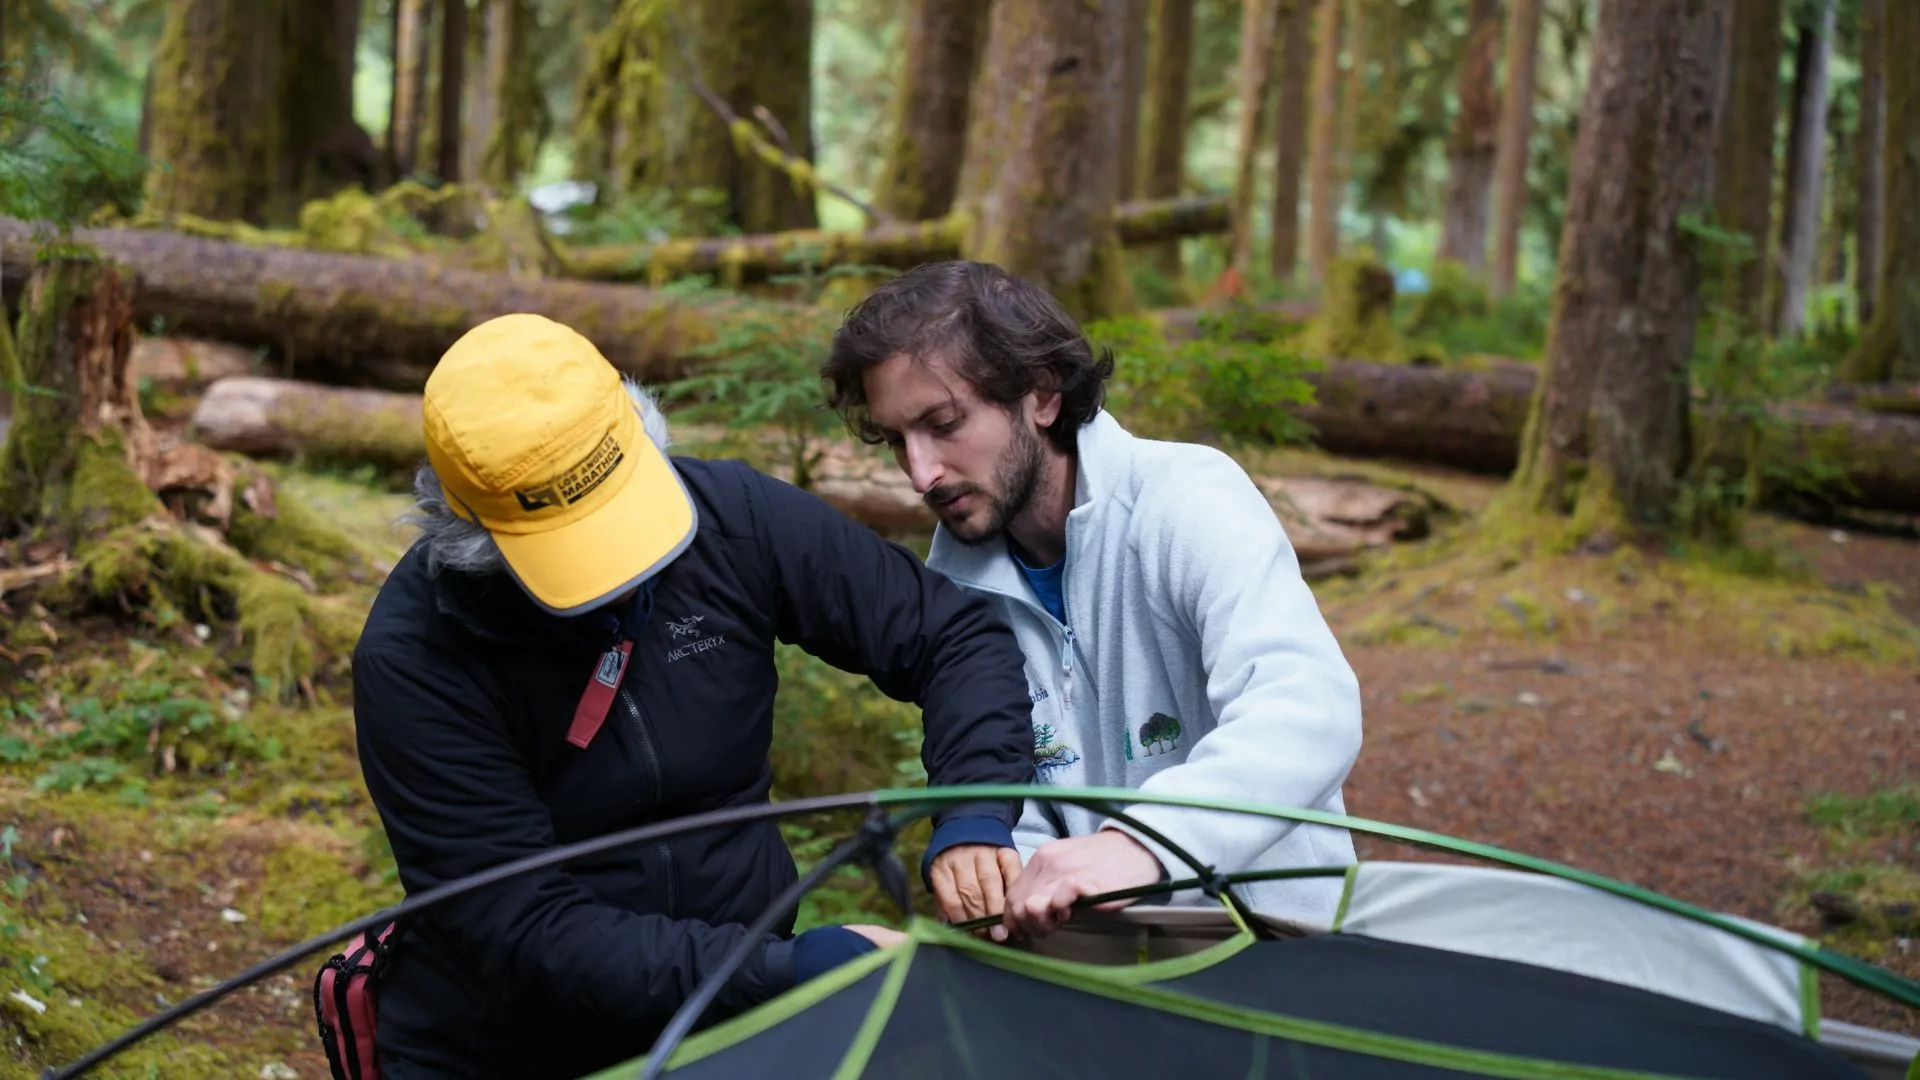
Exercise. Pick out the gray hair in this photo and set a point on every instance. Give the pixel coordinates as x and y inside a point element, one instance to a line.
<point>454,543</point>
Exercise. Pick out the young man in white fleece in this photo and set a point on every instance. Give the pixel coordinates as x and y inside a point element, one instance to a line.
<point>1171,643</point>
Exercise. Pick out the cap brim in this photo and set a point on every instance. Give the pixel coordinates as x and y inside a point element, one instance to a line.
<point>642,528</point>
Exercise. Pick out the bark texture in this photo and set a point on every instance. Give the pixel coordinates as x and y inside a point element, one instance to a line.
<point>1609,439</point>
<point>1890,346</point>
<point>1255,75</point>
<point>1516,132</point>
<point>940,55</point>
<point>214,135</point>
<point>752,54</point>
<point>448,135</point>
<point>369,320</point>
<point>1806,150</point>
<point>75,337</point>
<point>1323,221</point>
<point>252,109</point>
<point>1290,134</point>
<point>1039,186</point>
<point>1133,85</point>
<point>1169,75</point>
<point>1743,175</point>
<point>407,115</point>
<point>1870,144</point>
<point>901,245</point>
<point>1470,152</point>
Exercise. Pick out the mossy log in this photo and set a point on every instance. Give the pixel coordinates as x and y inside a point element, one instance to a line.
<point>1877,397</point>
<point>373,321</point>
<point>1474,420</point>
<point>898,245</point>
<point>1327,518</point>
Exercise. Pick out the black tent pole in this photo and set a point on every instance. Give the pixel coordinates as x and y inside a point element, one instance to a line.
<point>873,842</point>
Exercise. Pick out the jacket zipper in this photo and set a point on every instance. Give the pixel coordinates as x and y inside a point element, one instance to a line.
<point>1066,629</point>
<point>659,788</point>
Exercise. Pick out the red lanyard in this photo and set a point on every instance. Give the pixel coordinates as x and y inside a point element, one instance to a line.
<point>591,713</point>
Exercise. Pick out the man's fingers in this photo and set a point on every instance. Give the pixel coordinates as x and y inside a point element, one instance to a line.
<point>993,889</point>
<point>945,895</point>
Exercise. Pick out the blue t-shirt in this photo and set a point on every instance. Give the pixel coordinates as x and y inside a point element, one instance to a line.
<point>1045,582</point>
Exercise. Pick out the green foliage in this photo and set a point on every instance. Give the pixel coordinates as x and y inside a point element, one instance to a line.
<point>1456,320</point>
<point>55,165</point>
<point>116,728</point>
<point>763,373</point>
<point>648,217</point>
<point>1231,382</point>
<point>1878,814</point>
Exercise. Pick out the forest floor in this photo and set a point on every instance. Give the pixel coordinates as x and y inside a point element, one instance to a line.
<point>1737,741</point>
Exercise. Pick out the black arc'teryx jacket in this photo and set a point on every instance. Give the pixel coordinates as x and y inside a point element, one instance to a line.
<point>463,695</point>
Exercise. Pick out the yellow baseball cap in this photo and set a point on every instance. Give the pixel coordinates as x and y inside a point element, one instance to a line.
<point>534,438</point>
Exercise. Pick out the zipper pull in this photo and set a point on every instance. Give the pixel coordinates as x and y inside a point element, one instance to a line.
<point>1066,667</point>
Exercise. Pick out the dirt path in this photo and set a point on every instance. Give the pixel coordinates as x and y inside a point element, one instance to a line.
<point>1658,755</point>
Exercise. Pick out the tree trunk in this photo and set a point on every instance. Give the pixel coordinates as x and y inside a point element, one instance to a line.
<point>1743,174</point>
<point>751,54</point>
<point>1889,348</point>
<point>940,55</point>
<point>1476,129</point>
<point>1869,172</point>
<point>1608,440</point>
<point>480,97</point>
<point>1323,220</point>
<point>1800,224</point>
<point>75,337</point>
<point>252,109</point>
<point>408,113</point>
<point>215,137</point>
<point>736,260</point>
<point>1038,190</point>
<point>1133,85</point>
<point>453,83</point>
<point>1516,132</point>
<point>1290,135</point>
<point>325,148</point>
<point>369,320</point>
<point>1255,73</point>
<point>1169,74</point>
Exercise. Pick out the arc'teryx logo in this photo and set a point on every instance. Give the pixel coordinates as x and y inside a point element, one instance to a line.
<point>688,630</point>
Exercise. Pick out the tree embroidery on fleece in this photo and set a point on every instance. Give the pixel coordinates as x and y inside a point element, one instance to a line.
<point>1050,755</point>
<point>1161,731</point>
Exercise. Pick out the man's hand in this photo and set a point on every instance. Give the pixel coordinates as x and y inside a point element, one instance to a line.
<point>1063,871</point>
<point>970,881</point>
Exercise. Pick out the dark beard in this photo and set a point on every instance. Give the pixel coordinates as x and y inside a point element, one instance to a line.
<point>1016,480</point>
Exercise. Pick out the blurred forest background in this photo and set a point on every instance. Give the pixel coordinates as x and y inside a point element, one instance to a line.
<point>1576,342</point>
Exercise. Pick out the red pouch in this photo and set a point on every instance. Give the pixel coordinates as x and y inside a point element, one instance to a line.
<point>343,1002</point>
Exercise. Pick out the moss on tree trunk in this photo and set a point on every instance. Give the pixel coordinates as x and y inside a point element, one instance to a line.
<point>516,107</point>
<point>1889,350</point>
<point>1038,190</point>
<point>933,86</point>
<point>1608,436</point>
<point>252,109</point>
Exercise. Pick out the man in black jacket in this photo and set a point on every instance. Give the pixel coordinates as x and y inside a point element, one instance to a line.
<point>581,641</point>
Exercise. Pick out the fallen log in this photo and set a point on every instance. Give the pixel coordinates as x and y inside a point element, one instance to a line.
<point>1473,419</point>
<point>369,320</point>
<point>1877,397</point>
<point>898,245</point>
<point>1326,518</point>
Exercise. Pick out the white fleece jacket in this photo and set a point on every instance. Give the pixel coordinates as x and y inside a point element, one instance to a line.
<point>1193,660</point>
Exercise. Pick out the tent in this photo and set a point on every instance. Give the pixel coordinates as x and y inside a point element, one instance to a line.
<point>1522,969</point>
